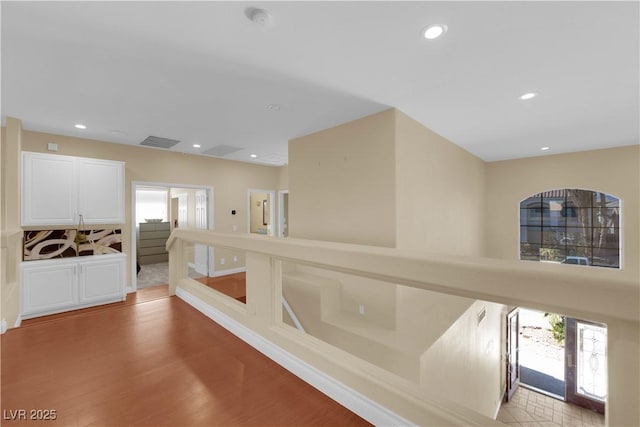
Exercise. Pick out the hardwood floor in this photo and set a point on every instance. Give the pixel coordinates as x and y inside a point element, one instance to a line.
<point>151,364</point>
<point>142,295</point>
<point>233,285</point>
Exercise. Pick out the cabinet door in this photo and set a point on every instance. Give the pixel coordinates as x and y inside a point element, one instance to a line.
<point>101,191</point>
<point>49,190</point>
<point>101,281</point>
<point>48,288</point>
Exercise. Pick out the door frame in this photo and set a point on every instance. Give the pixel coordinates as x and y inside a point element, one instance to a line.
<point>132,286</point>
<point>272,196</point>
<point>512,384</point>
<point>281,194</point>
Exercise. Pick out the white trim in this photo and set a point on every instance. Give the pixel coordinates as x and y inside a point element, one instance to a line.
<point>18,321</point>
<point>346,396</point>
<point>229,271</point>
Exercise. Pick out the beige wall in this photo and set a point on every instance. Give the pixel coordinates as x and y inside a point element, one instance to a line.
<point>342,183</point>
<point>615,171</point>
<point>464,365</point>
<point>230,179</point>
<point>283,177</point>
<point>439,193</point>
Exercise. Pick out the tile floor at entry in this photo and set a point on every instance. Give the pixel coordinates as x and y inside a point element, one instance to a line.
<point>531,409</point>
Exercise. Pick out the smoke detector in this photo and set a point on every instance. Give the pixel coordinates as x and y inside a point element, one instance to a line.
<point>258,16</point>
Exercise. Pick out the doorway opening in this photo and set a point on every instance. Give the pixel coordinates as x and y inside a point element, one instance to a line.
<point>157,209</point>
<point>260,218</point>
<point>559,356</point>
<point>542,352</point>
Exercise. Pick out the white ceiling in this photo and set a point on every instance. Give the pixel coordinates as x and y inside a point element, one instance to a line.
<point>201,72</point>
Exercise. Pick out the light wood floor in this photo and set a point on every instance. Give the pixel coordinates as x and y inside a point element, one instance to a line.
<point>153,363</point>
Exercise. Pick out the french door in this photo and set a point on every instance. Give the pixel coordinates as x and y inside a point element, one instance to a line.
<point>586,364</point>
<point>513,349</point>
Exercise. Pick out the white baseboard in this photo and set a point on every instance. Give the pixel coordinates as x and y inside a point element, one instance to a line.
<point>229,271</point>
<point>3,326</point>
<point>18,322</point>
<point>341,393</point>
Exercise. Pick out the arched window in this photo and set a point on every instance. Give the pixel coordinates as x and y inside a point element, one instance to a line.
<point>572,227</point>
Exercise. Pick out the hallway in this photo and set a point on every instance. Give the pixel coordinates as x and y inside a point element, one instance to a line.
<point>531,409</point>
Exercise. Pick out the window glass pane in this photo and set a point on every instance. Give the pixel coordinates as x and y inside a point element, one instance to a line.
<point>552,236</point>
<point>606,238</point>
<point>533,202</point>
<point>610,201</point>
<point>553,217</point>
<point>580,251</point>
<point>533,216</point>
<point>579,198</point>
<point>577,236</point>
<point>606,258</point>
<point>529,252</point>
<point>582,218</point>
<point>572,227</point>
<point>550,253</point>
<point>606,217</point>
<point>531,235</point>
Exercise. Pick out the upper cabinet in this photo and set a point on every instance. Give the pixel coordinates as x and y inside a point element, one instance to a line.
<point>57,189</point>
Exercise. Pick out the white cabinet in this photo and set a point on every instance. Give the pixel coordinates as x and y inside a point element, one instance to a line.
<point>54,286</point>
<point>101,280</point>
<point>49,288</point>
<point>101,191</point>
<point>49,190</point>
<point>57,189</point>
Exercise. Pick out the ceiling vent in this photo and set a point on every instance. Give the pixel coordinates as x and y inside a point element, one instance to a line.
<point>222,150</point>
<point>156,141</point>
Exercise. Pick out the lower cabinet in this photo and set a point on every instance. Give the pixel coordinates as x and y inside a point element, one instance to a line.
<point>54,286</point>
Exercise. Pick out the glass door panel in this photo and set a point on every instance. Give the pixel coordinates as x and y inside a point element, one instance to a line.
<point>586,364</point>
<point>592,361</point>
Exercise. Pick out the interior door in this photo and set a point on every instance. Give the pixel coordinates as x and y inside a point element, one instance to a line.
<point>513,356</point>
<point>201,257</point>
<point>586,364</point>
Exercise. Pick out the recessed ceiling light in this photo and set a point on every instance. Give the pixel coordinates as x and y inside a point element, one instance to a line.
<point>196,145</point>
<point>528,95</point>
<point>253,156</point>
<point>434,31</point>
<point>544,148</point>
<point>80,126</point>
